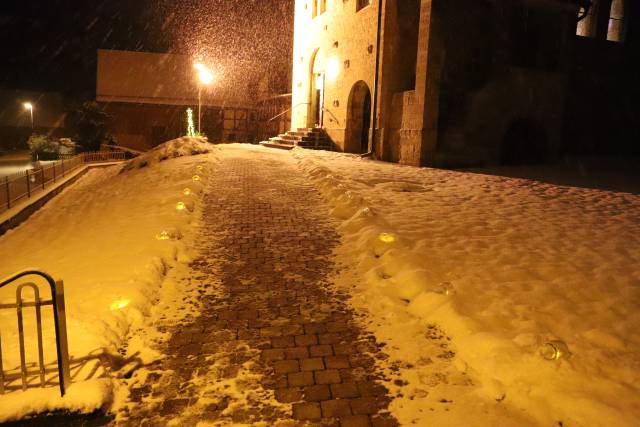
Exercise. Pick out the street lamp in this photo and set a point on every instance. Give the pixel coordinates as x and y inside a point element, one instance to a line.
<point>29,106</point>
<point>205,77</point>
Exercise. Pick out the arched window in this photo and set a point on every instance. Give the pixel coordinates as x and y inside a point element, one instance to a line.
<point>616,21</point>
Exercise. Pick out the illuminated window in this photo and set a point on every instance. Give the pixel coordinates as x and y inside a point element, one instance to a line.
<point>616,21</point>
<point>318,7</point>
<point>603,18</point>
<point>361,4</point>
<point>586,25</point>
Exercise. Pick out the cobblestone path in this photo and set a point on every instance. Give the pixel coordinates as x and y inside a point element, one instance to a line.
<point>275,343</point>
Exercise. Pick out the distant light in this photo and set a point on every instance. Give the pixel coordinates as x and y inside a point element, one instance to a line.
<point>196,178</point>
<point>119,304</point>
<point>28,106</point>
<point>333,68</point>
<point>186,191</point>
<point>386,237</point>
<point>181,206</point>
<point>199,168</point>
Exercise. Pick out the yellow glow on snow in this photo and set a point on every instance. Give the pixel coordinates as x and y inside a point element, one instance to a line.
<point>180,206</point>
<point>186,191</point>
<point>199,168</point>
<point>164,235</point>
<point>119,304</point>
<point>386,237</point>
<point>196,178</point>
<point>333,68</point>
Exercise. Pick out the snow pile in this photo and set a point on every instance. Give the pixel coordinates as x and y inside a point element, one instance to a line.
<point>180,147</point>
<point>112,237</point>
<point>505,266</point>
<point>84,398</point>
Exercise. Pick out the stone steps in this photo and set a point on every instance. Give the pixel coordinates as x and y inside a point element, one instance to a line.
<point>310,138</point>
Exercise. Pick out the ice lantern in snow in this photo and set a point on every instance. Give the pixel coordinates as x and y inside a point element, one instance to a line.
<point>386,237</point>
<point>119,304</point>
<point>196,178</point>
<point>186,191</point>
<point>180,206</point>
<point>554,350</point>
<point>164,235</point>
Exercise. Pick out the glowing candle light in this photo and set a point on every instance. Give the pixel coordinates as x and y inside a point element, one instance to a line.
<point>554,350</point>
<point>119,304</point>
<point>186,191</point>
<point>196,178</point>
<point>180,206</point>
<point>386,237</point>
<point>163,235</point>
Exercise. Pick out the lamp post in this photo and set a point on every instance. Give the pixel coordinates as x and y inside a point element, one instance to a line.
<point>29,106</point>
<point>205,77</point>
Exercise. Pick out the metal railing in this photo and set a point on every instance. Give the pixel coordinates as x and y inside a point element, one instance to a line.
<point>287,110</point>
<point>23,185</point>
<point>60,324</point>
<point>333,116</point>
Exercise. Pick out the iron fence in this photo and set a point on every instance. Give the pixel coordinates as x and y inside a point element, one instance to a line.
<point>23,185</point>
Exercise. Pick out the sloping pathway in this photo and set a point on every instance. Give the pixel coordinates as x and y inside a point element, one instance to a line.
<point>271,325</point>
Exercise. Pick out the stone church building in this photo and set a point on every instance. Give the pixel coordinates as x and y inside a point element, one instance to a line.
<point>458,82</point>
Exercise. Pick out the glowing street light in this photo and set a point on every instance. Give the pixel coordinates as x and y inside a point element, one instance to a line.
<point>205,77</point>
<point>29,106</point>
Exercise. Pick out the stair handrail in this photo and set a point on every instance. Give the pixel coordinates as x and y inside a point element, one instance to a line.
<point>271,98</point>
<point>334,116</point>
<point>287,110</point>
<point>59,320</point>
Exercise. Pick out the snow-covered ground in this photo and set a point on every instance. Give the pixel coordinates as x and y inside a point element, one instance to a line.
<point>466,278</point>
<point>509,269</point>
<point>112,238</point>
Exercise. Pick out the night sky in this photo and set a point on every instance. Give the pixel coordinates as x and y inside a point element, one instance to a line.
<point>51,44</point>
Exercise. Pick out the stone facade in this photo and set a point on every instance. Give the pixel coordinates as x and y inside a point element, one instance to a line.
<point>460,82</point>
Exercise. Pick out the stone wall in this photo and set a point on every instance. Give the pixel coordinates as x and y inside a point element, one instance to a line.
<point>459,82</point>
<point>340,36</point>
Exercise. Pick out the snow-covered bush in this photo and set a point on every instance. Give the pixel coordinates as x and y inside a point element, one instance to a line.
<point>43,147</point>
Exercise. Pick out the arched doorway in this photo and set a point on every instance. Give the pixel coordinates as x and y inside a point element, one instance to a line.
<point>358,119</point>
<point>316,92</point>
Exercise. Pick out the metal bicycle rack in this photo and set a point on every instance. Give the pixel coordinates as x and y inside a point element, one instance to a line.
<point>59,318</point>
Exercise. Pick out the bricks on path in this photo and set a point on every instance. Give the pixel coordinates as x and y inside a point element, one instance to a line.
<point>269,237</point>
